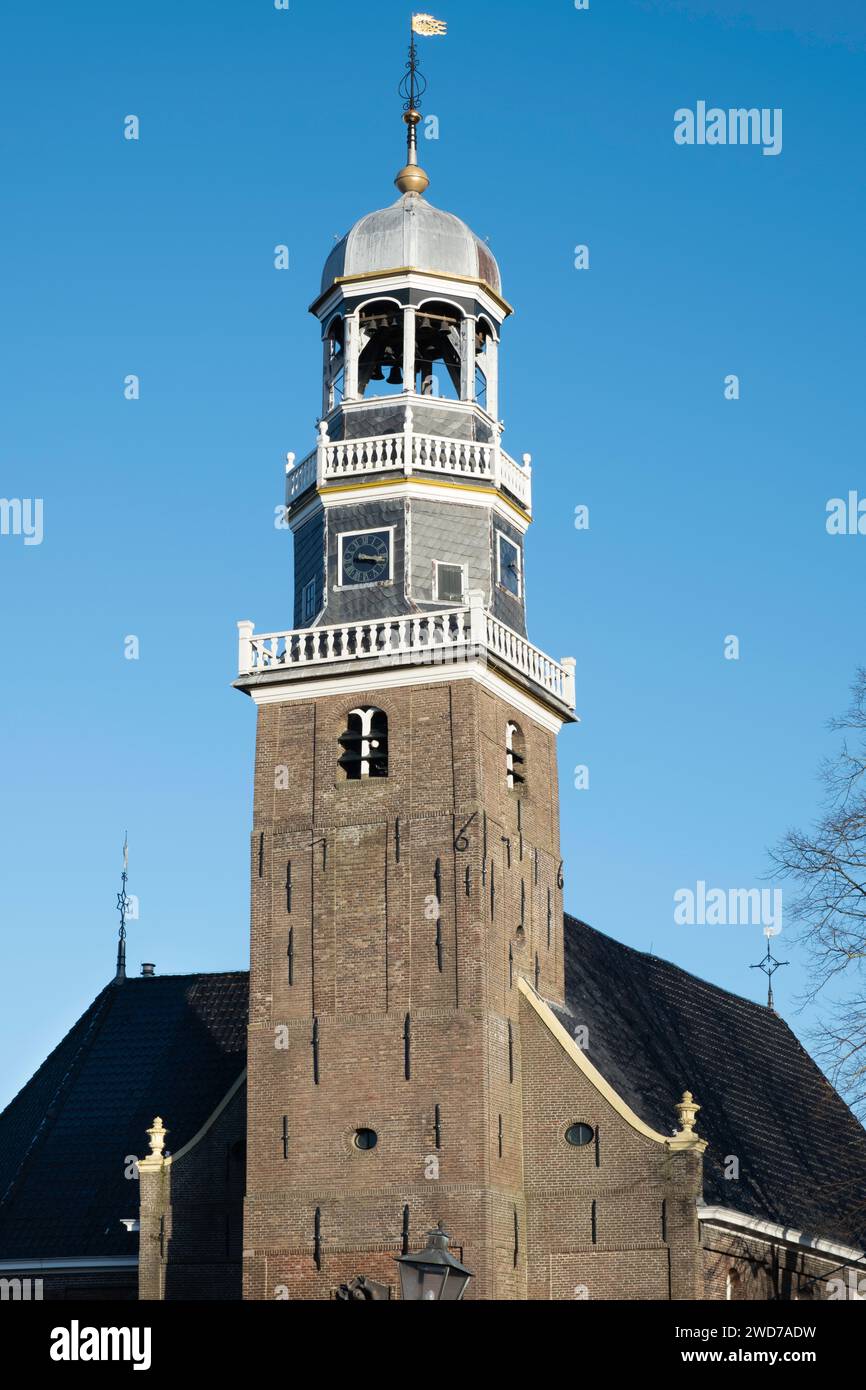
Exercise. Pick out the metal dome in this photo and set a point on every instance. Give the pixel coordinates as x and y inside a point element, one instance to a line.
<point>411,232</point>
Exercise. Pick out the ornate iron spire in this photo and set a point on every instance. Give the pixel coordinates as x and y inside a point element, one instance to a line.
<point>412,178</point>
<point>122,907</point>
<point>769,965</point>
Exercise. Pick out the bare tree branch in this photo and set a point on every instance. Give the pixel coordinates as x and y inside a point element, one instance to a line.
<point>827,865</point>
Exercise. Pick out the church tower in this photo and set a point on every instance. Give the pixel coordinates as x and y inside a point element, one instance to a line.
<point>406,872</point>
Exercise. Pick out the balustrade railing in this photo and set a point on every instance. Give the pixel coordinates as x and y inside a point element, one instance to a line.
<point>450,635</point>
<point>338,460</point>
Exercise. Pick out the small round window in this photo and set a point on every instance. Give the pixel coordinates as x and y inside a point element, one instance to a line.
<point>365,1139</point>
<point>579,1134</point>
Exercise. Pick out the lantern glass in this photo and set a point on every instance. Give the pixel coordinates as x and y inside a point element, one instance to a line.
<point>421,1283</point>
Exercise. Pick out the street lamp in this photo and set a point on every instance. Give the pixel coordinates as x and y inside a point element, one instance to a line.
<point>433,1274</point>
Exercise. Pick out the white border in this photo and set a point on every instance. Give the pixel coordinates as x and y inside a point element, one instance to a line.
<point>514,546</point>
<point>397,677</point>
<point>454,565</point>
<point>366,531</point>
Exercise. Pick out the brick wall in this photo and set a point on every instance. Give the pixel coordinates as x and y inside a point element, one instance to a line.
<point>361,926</point>
<point>611,1219</point>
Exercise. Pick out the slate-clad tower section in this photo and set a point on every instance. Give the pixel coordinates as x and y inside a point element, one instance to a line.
<point>405,866</point>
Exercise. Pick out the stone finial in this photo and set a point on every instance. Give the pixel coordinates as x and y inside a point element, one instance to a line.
<point>687,1110</point>
<point>290,462</point>
<point>323,432</point>
<point>157,1134</point>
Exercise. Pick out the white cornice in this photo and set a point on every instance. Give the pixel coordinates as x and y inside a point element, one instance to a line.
<point>399,677</point>
<point>731,1219</point>
<point>443,286</point>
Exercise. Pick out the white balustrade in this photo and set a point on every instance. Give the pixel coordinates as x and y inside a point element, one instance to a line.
<point>450,635</point>
<point>299,478</point>
<point>337,460</point>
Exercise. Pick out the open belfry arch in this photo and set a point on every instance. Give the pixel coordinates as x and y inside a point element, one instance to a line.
<point>406,1067</point>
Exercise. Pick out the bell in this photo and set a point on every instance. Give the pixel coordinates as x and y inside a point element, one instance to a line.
<point>426,324</point>
<point>377,374</point>
<point>395,377</point>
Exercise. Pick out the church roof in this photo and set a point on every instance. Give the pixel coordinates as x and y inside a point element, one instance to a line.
<point>411,232</point>
<point>176,1044</point>
<point>656,1031</point>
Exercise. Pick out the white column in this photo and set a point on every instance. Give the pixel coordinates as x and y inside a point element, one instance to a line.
<point>321,456</point>
<point>408,427</point>
<point>492,355</point>
<point>326,375</point>
<point>409,348</point>
<point>467,359</point>
<point>568,664</point>
<point>477,621</point>
<point>245,647</point>
<point>351,339</point>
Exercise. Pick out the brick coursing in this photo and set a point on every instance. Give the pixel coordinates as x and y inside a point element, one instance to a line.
<point>328,1047</point>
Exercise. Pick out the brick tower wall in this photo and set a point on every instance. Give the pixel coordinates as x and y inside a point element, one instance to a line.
<point>414,1052</point>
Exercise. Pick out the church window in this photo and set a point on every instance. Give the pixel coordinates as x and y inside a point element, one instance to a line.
<point>335,363</point>
<point>365,744</point>
<point>365,1139</point>
<point>515,757</point>
<point>508,571</point>
<point>579,1135</point>
<point>308,601</point>
<point>485,350</point>
<point>449,582</point>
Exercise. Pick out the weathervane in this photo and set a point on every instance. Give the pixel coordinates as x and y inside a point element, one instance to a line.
<point>769,964</point>
<point>412,178</point>
<point>123,903</point>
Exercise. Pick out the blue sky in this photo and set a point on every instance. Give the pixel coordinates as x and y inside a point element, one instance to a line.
<point>707,516</point>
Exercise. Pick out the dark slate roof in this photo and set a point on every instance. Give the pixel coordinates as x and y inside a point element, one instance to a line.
<point>176,1041</point>
<point>656,1031</point>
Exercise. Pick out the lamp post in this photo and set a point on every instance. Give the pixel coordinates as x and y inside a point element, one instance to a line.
<point>433,1274</point>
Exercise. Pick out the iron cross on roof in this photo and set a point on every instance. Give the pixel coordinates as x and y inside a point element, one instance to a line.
<point>769,965</point>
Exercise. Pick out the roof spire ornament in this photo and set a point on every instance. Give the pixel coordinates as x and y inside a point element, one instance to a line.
<point>769,964</point>
<point>123,903</point>
<point>412,178</point>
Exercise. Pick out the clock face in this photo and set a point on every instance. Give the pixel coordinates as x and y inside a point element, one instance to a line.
<point>366,557</point>
<point>509,566</point>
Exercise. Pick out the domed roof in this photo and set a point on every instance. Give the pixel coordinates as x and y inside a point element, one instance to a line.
<point>411,232</point>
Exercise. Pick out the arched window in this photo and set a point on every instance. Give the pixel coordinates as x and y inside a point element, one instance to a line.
<point>515,757</point>
<point>365,744</point>
<point>380,349</point>
<point>438,350</point>
<point>485,364</point>
<point>335,363</point>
